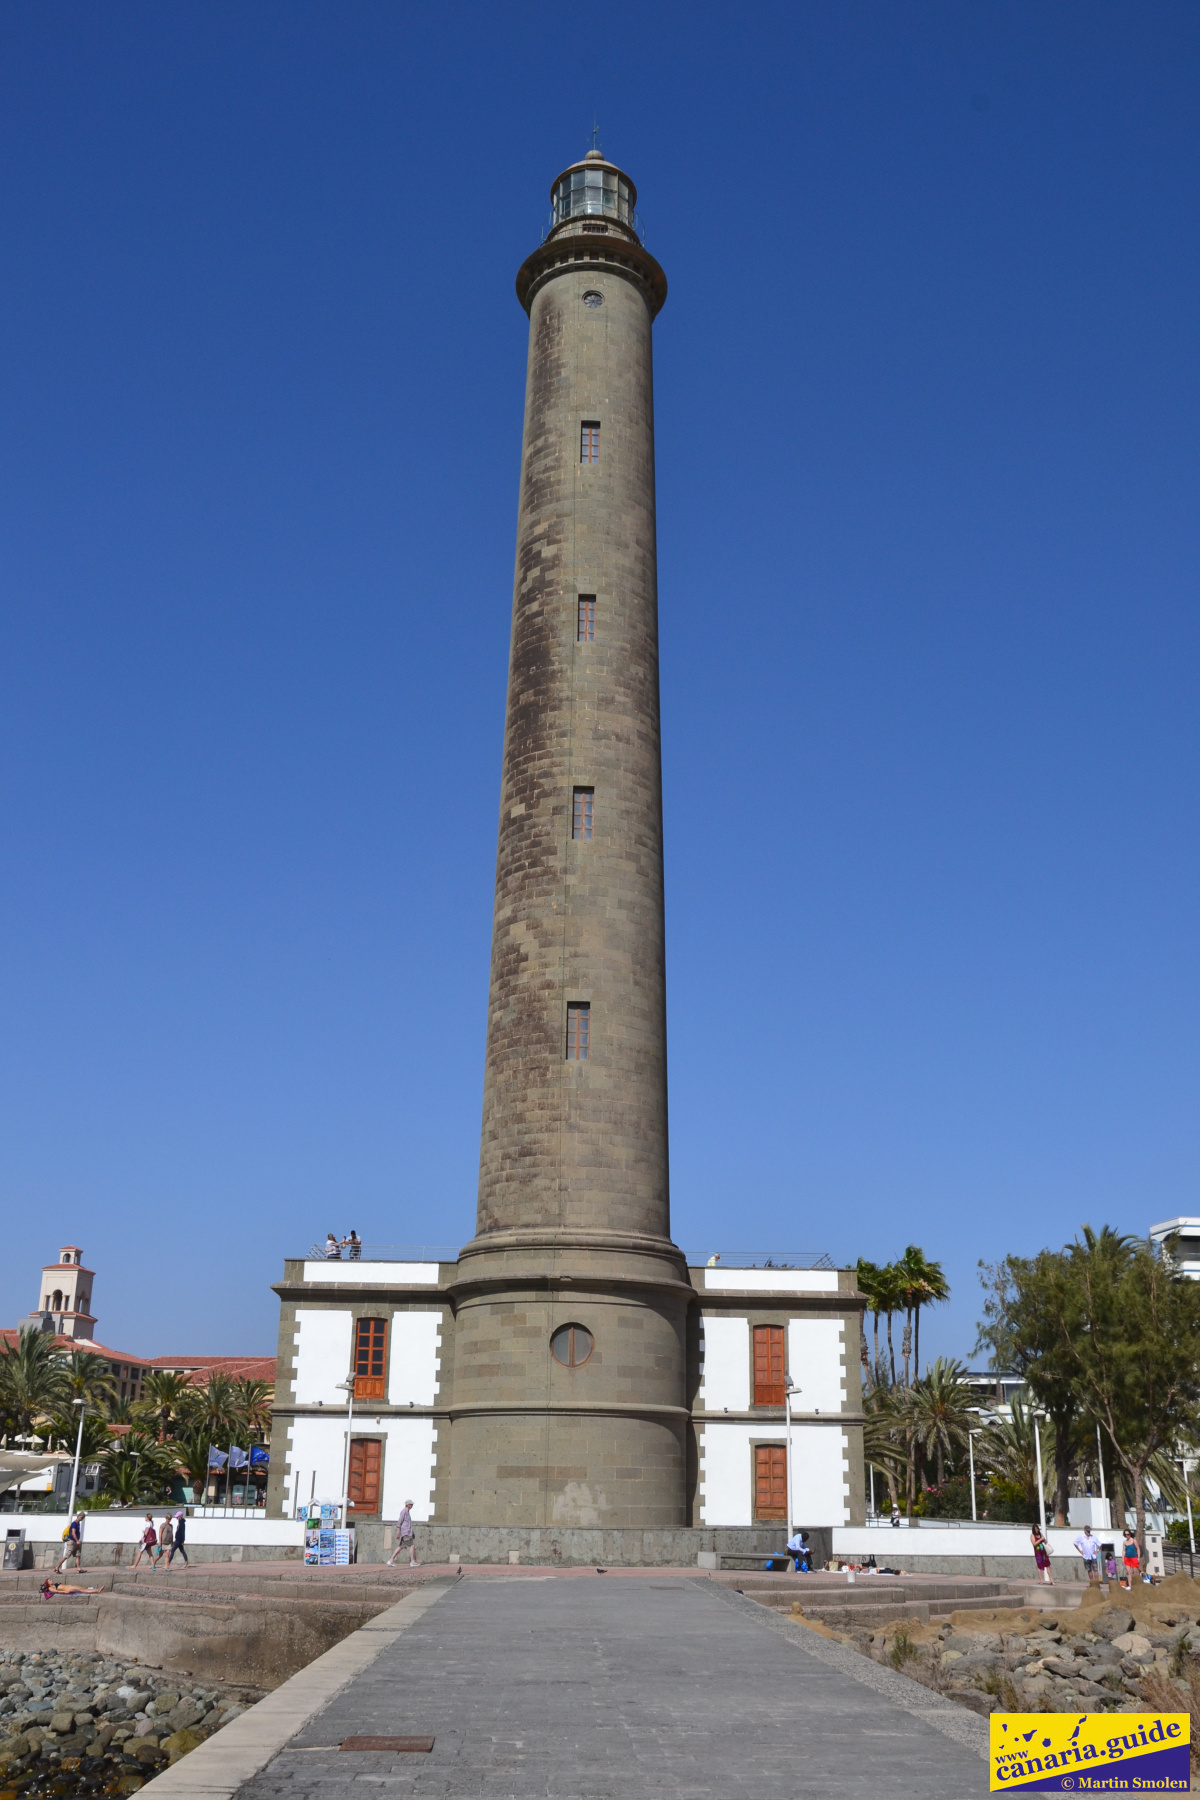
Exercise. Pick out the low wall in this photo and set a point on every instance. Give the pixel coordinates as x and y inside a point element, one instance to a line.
<point>110,1539</point>
<point>579,1546</point>
<point>252,1642</point>
<point>992,1550</point>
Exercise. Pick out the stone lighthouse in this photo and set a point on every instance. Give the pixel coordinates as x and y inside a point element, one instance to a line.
<point>567,1387</point>
<point>570,1403</point>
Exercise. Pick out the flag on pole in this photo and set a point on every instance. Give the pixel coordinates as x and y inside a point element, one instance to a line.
<point>216,1458</point>
<point>237,1458</point>
<point>260,1456</point>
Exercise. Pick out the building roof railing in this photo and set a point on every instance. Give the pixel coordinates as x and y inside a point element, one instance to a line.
<point>444,1253</point>
<point>761,1259</point>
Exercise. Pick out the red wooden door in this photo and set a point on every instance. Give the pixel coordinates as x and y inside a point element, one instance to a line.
<point>768,1365</point>
<point>770,1481</point>
<point>366,1455</point>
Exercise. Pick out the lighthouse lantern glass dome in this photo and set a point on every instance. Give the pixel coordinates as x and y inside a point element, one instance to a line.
<point>602,192</point>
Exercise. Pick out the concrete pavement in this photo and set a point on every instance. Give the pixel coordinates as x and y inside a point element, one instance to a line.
<point>593,1687</point>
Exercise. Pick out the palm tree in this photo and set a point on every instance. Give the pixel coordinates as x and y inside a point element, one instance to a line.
<point>867,1276</point>
<point>942,1412</point>
<point>890,1295</point>
<point>166,1391</point>
<point>252,1403</point>
<point>94,1438</point>
<point>88,1377</point>
<point>33,1381</point>
<point>928,1286</point>
<point>136,1468</point>
<point>1008,1448</point>
<point>213,1408</point>
<point>883,1439</point>
<point>189,1452</point>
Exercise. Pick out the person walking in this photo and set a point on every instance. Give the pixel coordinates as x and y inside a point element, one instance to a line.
<point>177,1548</point>
<point>1041,1554</point>
<point>166,1539</point>
<point>73,1541</point>
<point>1132,1558</point>
<point>147,1543</point>
<point>406,1537</point>
<point>1088,1546</point>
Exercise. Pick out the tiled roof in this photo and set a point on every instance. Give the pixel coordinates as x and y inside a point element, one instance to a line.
<point>199,1368</point>
<point>251,1368</point>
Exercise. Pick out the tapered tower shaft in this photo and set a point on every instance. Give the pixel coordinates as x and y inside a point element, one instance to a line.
<point>571,1301</point>
<point>575,1093</point>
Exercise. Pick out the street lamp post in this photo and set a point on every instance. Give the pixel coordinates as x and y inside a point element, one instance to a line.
<point>1187,1494</point>
<point>971,1436</point>
<point>82,1405</point>
<point>788,1391</point>
<point>347,1388</point>
<point>1037,1444</point>
<point>1103,1496</point>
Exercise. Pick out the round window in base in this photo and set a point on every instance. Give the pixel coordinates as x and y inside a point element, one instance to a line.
<point>593,298</point>
<point>571,1345</point>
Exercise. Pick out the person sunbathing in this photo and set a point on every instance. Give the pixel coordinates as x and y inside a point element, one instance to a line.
<point>54,1588</point>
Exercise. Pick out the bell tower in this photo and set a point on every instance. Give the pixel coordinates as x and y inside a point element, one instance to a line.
<point>569,1383</point>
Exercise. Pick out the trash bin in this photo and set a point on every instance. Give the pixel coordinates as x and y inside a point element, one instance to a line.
<point>14,1547</point>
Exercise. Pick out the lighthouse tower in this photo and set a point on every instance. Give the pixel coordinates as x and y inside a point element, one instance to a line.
<point>569,1379</point>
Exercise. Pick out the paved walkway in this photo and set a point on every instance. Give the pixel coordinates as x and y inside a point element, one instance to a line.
<point>574,1688</point>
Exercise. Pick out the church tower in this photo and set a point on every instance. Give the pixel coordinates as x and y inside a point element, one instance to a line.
<point>569,1363</point>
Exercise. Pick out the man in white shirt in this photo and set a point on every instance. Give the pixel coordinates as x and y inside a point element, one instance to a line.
<point>1088,1546</point>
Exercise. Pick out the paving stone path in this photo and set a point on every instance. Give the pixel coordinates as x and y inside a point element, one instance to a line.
<point>578,1689</point>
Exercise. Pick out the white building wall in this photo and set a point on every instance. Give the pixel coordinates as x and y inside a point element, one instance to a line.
<point>820,1472</point>
<point>317,1461</point>
<point>771,1281</point>
<point>414,1360</point>
<point>322,1356</point>
<point>724,1363</point>
<point>817,1364</point>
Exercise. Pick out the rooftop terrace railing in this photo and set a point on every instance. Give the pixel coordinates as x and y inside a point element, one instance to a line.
<point>721,1259</point>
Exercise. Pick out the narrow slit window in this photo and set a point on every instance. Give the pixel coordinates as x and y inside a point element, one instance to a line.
<point>589,441</point>
<point>587,619</point>
<point>581,814</point>
<point>579,1021</point>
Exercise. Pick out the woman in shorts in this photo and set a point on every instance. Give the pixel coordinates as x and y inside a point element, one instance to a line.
<point>1132,1558</point>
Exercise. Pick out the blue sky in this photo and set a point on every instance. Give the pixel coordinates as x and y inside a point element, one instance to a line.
<point>926,404</point>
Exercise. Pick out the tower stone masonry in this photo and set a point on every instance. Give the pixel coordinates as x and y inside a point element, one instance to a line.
<point>568,1388</point>
<point>573,1220</point>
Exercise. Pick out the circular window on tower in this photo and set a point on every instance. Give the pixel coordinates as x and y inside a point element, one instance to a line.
<point>593,297</point>
<point>571,1345</point>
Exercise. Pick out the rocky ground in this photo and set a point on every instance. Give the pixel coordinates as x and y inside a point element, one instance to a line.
<point>81,1723</point>
<point>1116,1653</point>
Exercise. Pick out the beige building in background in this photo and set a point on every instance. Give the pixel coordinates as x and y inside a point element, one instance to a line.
<point>568,1370</point>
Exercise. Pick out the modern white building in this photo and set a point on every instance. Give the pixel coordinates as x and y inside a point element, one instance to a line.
<point>1188,1250</point>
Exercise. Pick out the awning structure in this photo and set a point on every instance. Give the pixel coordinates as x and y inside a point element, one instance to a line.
<point>17,1466</point>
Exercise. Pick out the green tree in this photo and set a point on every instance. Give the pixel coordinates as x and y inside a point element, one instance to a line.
<point>1132,1337</point>
<point>33,1381</point>
<point>64,1425</point>
<point>942,1408</point>
<point>189,1451</point>
<point>929,1288</point>
<point>88,1377</point>
<point>166,1391</point>
<point>867,1276</point>
<point>1032,1313</point>
<point>1007,1449</point>
<point>252,1407</point>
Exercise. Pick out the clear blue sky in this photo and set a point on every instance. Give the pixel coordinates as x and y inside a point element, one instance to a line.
<point>927,403</point>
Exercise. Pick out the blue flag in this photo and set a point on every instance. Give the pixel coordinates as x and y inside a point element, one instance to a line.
<point>260,1456</point>
<point>237,1458</point>
<point>216,1458</point>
